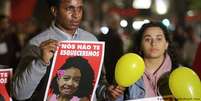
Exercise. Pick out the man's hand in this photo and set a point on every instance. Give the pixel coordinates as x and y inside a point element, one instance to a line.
<point>115,91</point>
<point>48,48</point>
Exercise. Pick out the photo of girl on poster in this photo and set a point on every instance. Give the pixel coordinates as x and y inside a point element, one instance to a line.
<point>73,81</point>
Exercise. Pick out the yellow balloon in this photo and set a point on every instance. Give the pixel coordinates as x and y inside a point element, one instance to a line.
<point>129,68</point>
<point>185,84</point>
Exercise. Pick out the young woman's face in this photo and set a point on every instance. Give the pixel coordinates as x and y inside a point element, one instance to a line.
<point>153,42</point>
<point>69,81</point>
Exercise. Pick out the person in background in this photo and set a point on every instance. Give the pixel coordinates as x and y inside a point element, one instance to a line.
<point>113,46</point>
<point>190,46</point>
<point>9,47</point>
<point>196,63</point>
<point>179,39</point>
<point>154,45</point>
<point>31,76</point>
<point>107,88</point>
<point>26,30</point>
<point>74,80</point>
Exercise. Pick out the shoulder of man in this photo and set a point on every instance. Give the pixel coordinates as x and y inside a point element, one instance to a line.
<point>84,35</point>
<point>44,35</point>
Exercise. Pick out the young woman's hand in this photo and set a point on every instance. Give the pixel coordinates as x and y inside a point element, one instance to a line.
<point>115,91</point>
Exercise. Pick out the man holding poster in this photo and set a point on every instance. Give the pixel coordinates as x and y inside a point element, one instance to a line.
<point>31,76</point>
<point>75,71</point>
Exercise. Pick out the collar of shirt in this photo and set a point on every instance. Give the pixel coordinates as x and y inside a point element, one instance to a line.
<point>69,37</point>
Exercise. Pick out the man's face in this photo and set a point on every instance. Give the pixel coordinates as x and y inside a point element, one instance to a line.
<point>68,81</point>
<point>69,14</point>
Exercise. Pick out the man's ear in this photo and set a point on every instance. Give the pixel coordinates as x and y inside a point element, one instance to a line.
<point>53,11</point>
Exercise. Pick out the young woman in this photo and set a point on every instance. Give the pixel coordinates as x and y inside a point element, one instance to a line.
<point>154,45</point>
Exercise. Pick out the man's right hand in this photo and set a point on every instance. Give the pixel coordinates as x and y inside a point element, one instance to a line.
<point>48,48</point>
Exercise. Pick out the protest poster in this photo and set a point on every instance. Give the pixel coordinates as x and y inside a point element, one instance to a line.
<point>75,70</point>
<point>5,80</point>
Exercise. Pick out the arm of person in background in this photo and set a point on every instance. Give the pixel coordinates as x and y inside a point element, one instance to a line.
<point>107,92</point>
<point>32,68</point>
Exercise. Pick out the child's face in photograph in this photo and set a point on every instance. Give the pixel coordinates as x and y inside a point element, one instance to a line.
<point>68,80</point>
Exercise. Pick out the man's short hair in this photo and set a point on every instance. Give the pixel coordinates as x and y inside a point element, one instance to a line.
<point>53,3</point>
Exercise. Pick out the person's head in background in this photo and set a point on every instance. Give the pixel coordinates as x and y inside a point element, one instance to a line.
<point>113,20</point>
<point>67,14</point>
<point>153,41</point>
<point>191,35</point>
<point>74,78</point>
<point>4,24</point>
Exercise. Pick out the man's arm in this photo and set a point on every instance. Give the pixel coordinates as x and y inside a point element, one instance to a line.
<point>32,68</point>
<point>30,71</point>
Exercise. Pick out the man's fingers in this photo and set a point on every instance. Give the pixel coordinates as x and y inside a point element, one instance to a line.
<point>49,45</point>
<point>49,42</point>
<point>48,49</point>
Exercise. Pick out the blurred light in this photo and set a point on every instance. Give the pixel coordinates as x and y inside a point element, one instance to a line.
<point>166,22</point>
<point>161,6</point>
<point>138,24</point>
<point>104,29</point>
<point>123,23</point>
<point>146,21</point>
<point>190,13</point>
<point>141,4</point>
